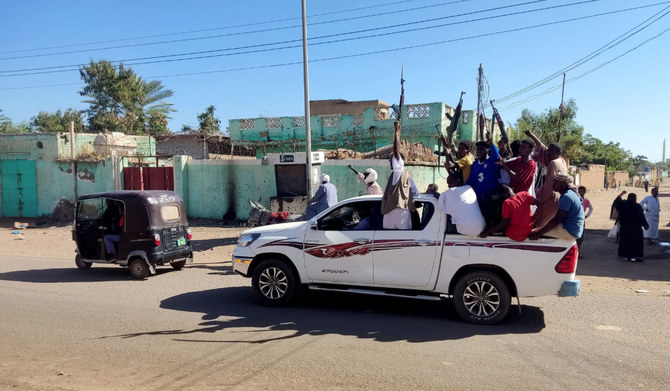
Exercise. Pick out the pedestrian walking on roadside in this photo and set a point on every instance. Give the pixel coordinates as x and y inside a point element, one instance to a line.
<point>652,208</point>
<point>631,218</point>
<point>588,209</point>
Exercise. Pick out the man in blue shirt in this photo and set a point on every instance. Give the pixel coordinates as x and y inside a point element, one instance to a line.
<point>484,178</point>
<point>324,198</point>
<point>568,223</point>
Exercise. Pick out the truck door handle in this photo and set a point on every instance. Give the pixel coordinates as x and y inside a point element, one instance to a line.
<point>362,241</point>
<point>423,242</point>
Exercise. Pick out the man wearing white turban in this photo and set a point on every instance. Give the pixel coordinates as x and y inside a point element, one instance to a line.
<point>369,177</point>
<point>324,198</point>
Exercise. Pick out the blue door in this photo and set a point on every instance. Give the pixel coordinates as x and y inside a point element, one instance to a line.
<point>19,188</point>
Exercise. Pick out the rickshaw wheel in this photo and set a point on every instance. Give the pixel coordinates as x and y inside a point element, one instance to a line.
<point>178,265</point>
<point>138,269</point>
<point>81,264</point>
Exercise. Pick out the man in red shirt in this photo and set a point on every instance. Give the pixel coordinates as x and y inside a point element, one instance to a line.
<point>522,169</point>
<point>517,220</point>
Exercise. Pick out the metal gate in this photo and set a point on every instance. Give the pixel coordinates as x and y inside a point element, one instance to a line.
<point>148,178</point>
<point>19,188</point>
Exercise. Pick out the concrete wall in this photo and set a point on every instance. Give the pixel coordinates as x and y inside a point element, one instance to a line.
<point>56,175</point>
<point>218,188</point>
<point>362,133</point>
<point>592,176</point>
<point>614,177</point>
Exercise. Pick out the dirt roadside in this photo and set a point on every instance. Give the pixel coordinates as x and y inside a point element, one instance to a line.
<point>599,268</point>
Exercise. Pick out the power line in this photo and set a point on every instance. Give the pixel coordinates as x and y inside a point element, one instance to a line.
<point>300,40</point>
<point>602,49</point>
<point>573,79</point>
<point>205,53</point>
<point>382,51</point>
<point>211,29</point>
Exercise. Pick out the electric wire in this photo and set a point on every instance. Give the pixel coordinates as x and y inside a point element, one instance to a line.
<point>573,79</point>
<point>628,34</point>
<point>211,29</point>
<point>138,61</point>
<point>236,33</point>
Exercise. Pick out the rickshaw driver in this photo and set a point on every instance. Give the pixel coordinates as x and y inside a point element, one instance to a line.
<point>112,219</point>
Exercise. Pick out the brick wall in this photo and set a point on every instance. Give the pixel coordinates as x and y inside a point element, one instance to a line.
<point>592,176</point>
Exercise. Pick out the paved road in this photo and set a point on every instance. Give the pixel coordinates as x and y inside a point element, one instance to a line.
<point>200,329</point>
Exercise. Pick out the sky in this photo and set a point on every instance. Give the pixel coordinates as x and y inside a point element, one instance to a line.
<point>245,57</point>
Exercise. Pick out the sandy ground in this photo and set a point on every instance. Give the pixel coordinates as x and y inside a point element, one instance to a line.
<point>599,268</point>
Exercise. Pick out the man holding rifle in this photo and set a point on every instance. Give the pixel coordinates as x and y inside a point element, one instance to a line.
<point>369,177</point>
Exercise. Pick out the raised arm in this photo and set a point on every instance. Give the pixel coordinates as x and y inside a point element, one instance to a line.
<point>538,142</point>
<point>396,140</point>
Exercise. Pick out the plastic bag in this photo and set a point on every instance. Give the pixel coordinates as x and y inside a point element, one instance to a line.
<point>612,234</point>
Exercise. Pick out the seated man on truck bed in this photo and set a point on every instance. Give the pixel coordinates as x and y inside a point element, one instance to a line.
<point>460,201</point>
<point>568,223</point>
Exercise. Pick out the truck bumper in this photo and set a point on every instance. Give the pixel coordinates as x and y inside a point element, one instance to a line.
<point>569,288</point>
<point>241,265</point>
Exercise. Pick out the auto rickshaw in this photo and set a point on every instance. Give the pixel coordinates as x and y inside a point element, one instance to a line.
<point>143,229</point>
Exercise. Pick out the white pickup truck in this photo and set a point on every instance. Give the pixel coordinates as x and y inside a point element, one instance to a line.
<point>345,248</point>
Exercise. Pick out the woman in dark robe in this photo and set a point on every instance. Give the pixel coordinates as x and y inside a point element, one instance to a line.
<point>631,218</point>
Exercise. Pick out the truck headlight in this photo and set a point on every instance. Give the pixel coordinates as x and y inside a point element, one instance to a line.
<point>246,239</point>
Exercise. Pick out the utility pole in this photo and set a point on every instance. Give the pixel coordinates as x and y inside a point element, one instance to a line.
<point>308,130</point>
<point>480,108</point>
<point>559,134</point>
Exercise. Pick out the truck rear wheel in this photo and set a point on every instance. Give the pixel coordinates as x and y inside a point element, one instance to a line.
<point>482,298</point>
<point>275,282</point>
<point>81,264</point>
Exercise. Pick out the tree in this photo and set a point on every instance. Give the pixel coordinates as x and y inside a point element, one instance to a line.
<point>121,101</point>
<point>3,118</point>
<point>8,127</point>
<point>555,125</point>
<point>611,155</point>
<point>57,122</point>
<point>208,123</point>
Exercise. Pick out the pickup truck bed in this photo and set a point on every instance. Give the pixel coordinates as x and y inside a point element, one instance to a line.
<point>329,253</point>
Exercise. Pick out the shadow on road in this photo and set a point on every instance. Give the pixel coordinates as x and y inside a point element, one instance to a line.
<point>378,318</point>
<point>600,259</point>
<point>208,244</point>
<point>101,272</point>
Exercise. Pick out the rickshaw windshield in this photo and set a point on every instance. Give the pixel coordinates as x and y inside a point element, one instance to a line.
<point>91,209</point>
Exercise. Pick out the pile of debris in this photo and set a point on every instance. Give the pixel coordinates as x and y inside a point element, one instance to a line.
<point>415,152</point>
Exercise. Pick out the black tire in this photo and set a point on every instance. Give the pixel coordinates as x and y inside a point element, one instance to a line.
<point>275,282</point>
<point>481,298</point>
<point>81,264</point>
<point>178,265</point>
<point>138,269</point>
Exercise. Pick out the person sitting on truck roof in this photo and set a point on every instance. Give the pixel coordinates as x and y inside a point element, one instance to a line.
<point>568,223</point>
<point>460,201</point>
<point>517,218</point>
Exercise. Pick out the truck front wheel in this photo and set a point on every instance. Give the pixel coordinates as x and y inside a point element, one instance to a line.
<point>275,282</point>
<point>482,298</point>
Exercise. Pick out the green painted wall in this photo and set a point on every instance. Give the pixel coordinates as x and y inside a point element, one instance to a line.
<point>365,133</point>
<point>55,182</point>
<point>217,188</point>
<point>223,188</point>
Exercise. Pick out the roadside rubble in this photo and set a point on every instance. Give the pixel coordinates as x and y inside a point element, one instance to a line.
<point>18,230</point>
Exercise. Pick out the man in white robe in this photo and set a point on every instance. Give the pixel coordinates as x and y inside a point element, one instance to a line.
<point>652,209</point>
